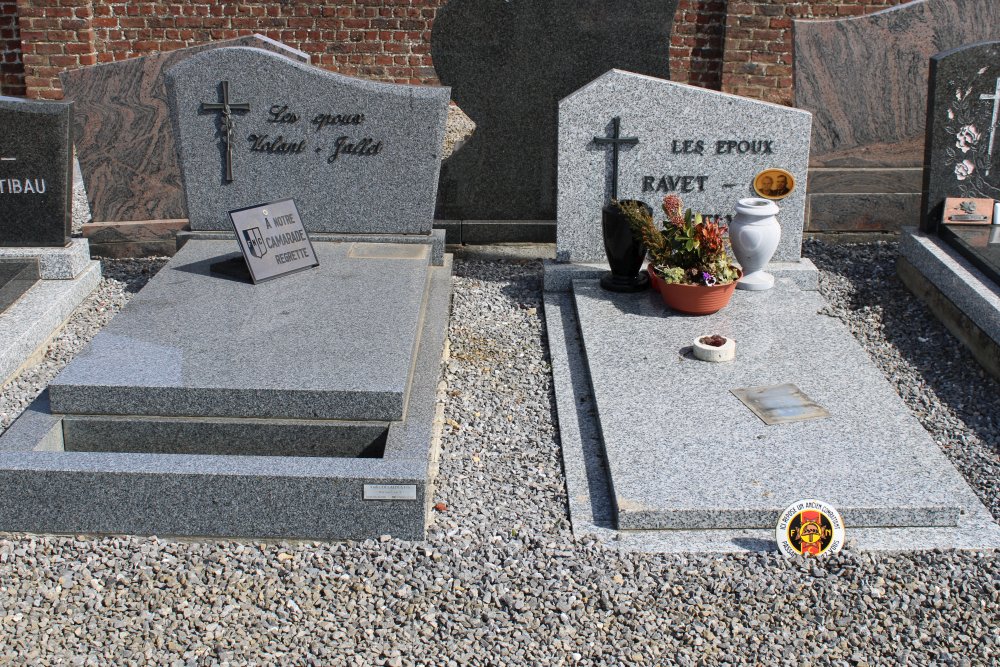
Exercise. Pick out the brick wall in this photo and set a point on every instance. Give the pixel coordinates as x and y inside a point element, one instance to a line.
<point>740,46</point>
<point>387,40</point>
<point>11,67</point>
<point>758,42</point>
<point>697,41</point>
<point>55,35</point>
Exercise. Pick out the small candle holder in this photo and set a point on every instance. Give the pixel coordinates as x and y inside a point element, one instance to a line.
<point>714,348</point>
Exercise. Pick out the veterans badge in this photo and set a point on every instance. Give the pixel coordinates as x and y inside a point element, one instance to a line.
<point>809,528</point>
<point>255,242</point>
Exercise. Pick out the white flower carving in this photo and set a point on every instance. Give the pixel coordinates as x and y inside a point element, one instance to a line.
<point>964,169</point>
<point>966,138</point>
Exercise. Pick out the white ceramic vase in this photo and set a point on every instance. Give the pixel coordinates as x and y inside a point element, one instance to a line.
<point>754,234</point>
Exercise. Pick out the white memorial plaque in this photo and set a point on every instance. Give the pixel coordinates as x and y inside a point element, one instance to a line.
<point>273,240</point>
<point>390,492</point>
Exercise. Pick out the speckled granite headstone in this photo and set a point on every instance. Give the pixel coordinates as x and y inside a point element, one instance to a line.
<point>36,172</point>
<point>865,78</point>
<point>509,62</point>
<point>356,156</point>
<point>702,145</point>
<point>124,140</point>
<point>962,156</point>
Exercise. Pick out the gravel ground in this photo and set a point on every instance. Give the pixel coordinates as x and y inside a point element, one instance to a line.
<point>500,579</point>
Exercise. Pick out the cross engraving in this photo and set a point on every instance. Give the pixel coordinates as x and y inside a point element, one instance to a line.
<point>226,123</point>
<point>616,142</point>
<point>995,97</point>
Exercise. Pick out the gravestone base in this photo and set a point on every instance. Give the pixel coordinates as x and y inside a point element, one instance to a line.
<point>146,238</point>
<point>303,407</point>
<point>41,289</point>
<point>559,277</point>
<point>660,456</point>
<point>965,299</point>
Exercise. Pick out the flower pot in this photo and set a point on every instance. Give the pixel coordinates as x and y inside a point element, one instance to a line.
<point>625,253</point>
<point>693,299</point>
<point>754,234</point>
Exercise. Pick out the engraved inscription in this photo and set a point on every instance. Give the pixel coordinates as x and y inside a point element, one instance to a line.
<point>19,186</point>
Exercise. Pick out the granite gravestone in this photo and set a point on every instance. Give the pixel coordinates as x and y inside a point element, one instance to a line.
<point>124,139</point>
<point>509,63</point>
<point>357,156</point>
<point>36,172</point>
<point>962,154</point>
<point>865,80</point>
<point>704,146</point>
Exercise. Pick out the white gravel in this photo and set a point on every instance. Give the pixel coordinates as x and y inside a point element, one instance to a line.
<point>500,579</point>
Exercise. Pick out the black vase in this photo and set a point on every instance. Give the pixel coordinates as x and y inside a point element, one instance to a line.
<point>625,252</point>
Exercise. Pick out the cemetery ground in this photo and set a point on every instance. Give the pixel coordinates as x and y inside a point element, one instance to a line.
<point>500,578</point>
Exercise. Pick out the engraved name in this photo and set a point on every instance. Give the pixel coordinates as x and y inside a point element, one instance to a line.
<point>17,186</point>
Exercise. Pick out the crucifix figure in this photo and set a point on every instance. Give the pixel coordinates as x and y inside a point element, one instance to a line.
<point>616,142</point>
<point>995,97</point>
<point>226,123</point>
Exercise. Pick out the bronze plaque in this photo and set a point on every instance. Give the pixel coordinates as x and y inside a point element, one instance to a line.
<point>967,211</point>
<point>780,404</point>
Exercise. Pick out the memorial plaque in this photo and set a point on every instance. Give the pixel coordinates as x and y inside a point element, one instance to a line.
<point>780,404</point>
<point>961,211</point>
<point>36,172</point>
<point>273,240</point>
<point>390,492</point>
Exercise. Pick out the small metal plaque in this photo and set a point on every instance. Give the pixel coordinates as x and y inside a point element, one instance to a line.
<point>273,240</point>
<point>780,404</point>
<point>968,211</point>
<point>390,492</point>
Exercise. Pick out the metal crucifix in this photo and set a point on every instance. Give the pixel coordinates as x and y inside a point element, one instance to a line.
<point>616,142</point>
<point>227,124</point>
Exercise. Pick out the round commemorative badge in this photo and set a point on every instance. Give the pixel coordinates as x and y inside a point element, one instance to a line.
<point>809,528</point>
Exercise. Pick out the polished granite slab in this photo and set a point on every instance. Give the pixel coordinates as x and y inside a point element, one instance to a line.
<point>684,453</point>
<point>334,342</point>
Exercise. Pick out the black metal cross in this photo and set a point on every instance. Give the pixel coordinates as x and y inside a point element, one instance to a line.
<point>616,142</point>
<point>226,121</point>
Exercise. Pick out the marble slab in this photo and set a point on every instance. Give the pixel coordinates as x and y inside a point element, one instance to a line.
<point>865,77</point>
<point>356,156</point>
<point>702,145</point>
<point>684,453</point>
<point>508,64</point>
<point>334,342</point>
<point>124,140</point>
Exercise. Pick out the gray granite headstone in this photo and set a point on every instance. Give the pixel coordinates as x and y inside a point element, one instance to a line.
<point>962,153</point>
<point>36,172</point>
<point>702,145</point>
<point>509,62</point>
<point>356,156</point>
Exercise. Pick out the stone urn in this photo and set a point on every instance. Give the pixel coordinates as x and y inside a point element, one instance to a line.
<point>625,253</point>
<point>754,234</point>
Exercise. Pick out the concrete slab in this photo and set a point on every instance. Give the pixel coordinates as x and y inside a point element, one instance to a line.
<point>683,452</point>
<point>588,486</point>
<point>335,342</point>
<point>29,322</point>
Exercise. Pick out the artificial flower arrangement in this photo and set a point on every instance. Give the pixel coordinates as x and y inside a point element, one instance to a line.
<point>689,250</point>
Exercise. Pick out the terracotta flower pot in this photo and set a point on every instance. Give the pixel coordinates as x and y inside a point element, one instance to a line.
<point>693,299</point>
